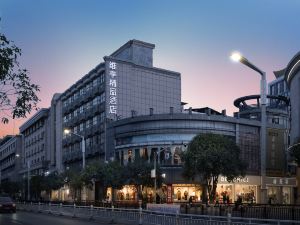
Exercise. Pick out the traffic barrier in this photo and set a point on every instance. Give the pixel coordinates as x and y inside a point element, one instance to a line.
<point>140,216</point>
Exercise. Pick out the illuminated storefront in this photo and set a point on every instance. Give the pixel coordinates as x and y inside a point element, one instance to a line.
<point>245,188</point>
<point>185,192</point>
<point>128,193</point>
<point>280,190</point>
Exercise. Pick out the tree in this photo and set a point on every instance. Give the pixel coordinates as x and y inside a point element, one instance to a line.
<point>53,181</point>
<point>295,152</point>
<point>138,173</point>
<point>75,181</point>
<point>36,186</point>
<point>112,175</point>
<point>12,188</point>
<point>212,155</point>
<point>91,173</point>
<point>17,93</point>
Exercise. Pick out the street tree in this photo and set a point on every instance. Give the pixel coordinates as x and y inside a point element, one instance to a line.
<point>12,188</point>
<point>36,186</point>
<point>18,96</point>
<point>209,156</point>
<point>295,152</point>
<point>112,175</point>
<point>74,180</point>
<point>91,173</point>
<point>138,173</point>
<point>53,181</point>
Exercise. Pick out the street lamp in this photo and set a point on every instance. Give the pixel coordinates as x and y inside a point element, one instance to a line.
<point>28,177</point>
<point>237,57</point>
<point>67,131</point>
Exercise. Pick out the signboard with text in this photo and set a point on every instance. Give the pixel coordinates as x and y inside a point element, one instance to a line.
<point>112,85</point>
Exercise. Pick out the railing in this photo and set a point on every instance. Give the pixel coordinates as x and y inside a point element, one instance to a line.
<point>142,216</point>
<point>261,211</point>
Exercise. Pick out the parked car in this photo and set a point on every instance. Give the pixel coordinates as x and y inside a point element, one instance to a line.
<point>7,205</point>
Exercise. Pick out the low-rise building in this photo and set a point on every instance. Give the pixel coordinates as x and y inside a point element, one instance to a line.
<point>10,152</point>
<point>36,152</point>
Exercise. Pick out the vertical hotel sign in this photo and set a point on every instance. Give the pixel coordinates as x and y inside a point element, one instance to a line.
<point>112,84</point>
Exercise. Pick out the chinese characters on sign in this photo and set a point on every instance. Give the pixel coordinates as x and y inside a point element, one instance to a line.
<point>112,88</point>
<point>280,181</point>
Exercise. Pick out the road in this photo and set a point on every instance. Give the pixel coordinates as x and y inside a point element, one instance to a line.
<point>25,218</point>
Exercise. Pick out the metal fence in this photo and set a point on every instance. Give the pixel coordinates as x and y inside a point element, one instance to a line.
<point>282,212</point>
<point>139,216</point>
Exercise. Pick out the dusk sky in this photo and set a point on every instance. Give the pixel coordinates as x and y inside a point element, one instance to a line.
<point>63,40</point>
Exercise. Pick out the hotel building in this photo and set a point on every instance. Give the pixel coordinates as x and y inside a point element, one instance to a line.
<point>126,84</point>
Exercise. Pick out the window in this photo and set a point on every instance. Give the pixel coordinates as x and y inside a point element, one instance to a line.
<point>75,130</point>
<point>87,124</point>
<point>88,142</point>
<point>102,97</point>
<point>87,105</point>
<point>70,99</point>
<point>81,109</point>
<point>75,96</point>
<point>95,120</point>
<point>88,87</point>
<point>281,87</point>
<point>75,112</point>
<point>102,116</point>
<point>82,92</point>
<point>96,100</point>
<point>65,119</point>
<point>102,77</point>
<point>81,127</point>
<point>275,120</point>
<point>95,82</point>
<point>102,138</point>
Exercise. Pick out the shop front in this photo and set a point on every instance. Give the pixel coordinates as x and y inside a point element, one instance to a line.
<point>127,193</point>
<point>280,190</point>
<point>245,189</point>
<point>177,193</point>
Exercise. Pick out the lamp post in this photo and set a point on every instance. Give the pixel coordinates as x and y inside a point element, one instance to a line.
<point>263,94</point>
<point>67,131</point>
<point>28,177</point>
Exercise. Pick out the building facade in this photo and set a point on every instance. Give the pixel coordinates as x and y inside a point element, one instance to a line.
<point>292,77</point>
<point>279,87</point>
<point>36,153</point>
<point>143,135</point>
<point>10,164</point>
<point>56,133</point>
<point>126,84</point>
